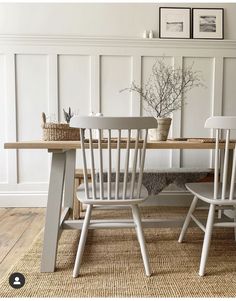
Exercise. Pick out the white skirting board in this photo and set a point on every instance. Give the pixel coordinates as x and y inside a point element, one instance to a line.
<point>23,199</point>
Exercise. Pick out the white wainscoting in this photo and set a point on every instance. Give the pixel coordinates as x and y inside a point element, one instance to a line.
<point>49,73</point>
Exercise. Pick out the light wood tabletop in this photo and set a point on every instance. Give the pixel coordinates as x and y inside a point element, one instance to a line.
<point>65,145</point>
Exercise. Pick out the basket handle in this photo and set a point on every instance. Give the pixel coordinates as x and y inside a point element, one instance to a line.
<point>44,118</point>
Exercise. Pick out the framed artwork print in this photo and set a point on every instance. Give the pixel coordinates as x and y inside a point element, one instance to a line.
<point>174,22</point>
<point>208,23</point>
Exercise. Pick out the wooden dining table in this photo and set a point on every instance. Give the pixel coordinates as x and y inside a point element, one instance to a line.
<point>62,183</point>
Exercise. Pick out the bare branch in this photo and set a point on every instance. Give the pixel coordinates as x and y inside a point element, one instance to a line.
<point>166,88</point>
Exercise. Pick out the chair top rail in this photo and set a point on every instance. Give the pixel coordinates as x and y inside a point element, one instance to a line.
<point>221,122</point>
<point>118,123</point>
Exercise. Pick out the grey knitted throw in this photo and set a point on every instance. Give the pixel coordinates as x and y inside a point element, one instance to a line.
<point>156,181</point>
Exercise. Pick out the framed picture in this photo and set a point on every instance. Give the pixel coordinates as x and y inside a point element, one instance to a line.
<point>208,23</point>
<point>174,22</point>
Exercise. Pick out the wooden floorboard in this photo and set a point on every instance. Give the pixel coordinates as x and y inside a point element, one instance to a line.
<point>4,211</point>
<point>18,229</point>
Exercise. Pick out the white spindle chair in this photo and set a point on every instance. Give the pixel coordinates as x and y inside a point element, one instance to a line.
<point>217,194</point>
<point>127,190</point>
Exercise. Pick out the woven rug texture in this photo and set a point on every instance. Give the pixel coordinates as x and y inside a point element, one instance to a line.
<point>112,265</point>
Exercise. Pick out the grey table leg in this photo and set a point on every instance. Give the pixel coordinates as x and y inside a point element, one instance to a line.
<point>69,178</point>
<point>53,213</point>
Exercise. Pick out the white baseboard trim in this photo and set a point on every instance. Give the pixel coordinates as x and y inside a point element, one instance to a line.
<point>23,199</point>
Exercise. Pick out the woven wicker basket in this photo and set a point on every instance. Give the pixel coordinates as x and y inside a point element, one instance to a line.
<point>58,131</point>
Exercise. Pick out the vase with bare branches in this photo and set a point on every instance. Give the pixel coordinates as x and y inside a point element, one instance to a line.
<point>165,92</point>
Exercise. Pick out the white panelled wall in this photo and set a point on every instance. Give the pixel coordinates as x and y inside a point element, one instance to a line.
<point>48,73</point>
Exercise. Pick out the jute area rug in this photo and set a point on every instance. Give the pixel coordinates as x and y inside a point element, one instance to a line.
<point>112,264</point>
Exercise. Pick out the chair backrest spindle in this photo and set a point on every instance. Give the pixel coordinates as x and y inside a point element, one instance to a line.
<point>92,163</point>
<point>129,184</point>
<point>109,165</point>
<point>216,171</point>
<point>225,167</point>
<point>82,134</point>
<point>100,164</point>
<point>118,166</point>
<point>143,154</point>
<point>134,165</point>
<point>126,164</point>
<point>223,123</point>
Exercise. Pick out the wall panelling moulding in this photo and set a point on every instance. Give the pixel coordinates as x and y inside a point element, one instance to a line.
<point>48,73</point>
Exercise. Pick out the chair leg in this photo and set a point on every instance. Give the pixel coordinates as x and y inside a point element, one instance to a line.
<point>188,219</point>
<point>207,239</point>
<point>141,239</point>
<point>82,241</point>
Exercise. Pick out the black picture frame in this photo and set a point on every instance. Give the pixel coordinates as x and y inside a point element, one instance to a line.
<point>162,34</point>
<point>207,35</point>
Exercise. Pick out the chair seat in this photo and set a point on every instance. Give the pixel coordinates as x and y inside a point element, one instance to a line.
<point>205,191</point>
<point>113,201</point>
